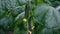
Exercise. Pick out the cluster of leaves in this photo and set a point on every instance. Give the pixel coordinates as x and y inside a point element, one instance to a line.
<point>46,18</point>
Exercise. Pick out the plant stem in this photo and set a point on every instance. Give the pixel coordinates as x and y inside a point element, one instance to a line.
<point>28,17</point>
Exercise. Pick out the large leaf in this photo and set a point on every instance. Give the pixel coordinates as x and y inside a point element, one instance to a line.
<point>40,13</point>
<point>53,16</point>
<point>6,23</point>
<point>47,15</point>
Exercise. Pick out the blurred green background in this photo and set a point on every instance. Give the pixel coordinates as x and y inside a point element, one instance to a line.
<point>39,16</point>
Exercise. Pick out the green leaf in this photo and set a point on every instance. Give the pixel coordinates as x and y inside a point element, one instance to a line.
<point>40,13</point>
<point>20,16</point>
<point>6,23</point>
<point>49,31</point>
<point>17,10</point>
<point>21,2</point>
<point>47,15</point>
<point>52,18</point>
